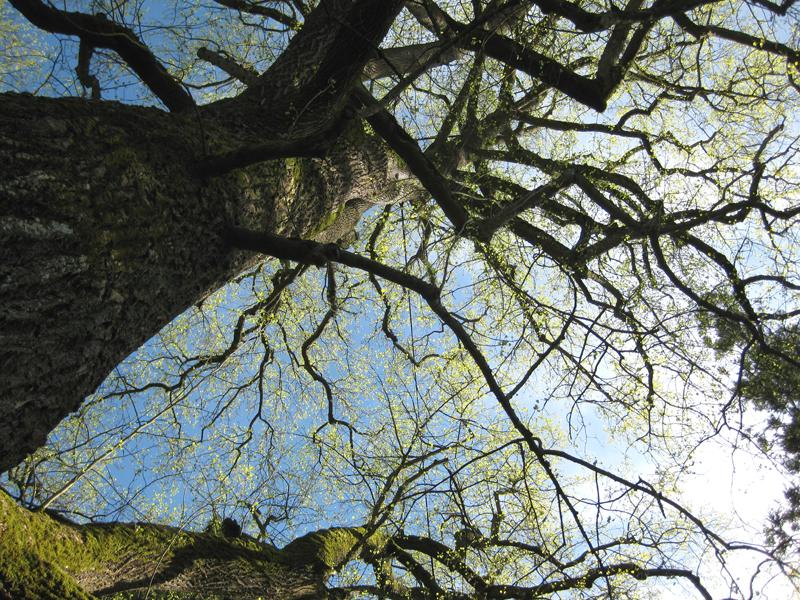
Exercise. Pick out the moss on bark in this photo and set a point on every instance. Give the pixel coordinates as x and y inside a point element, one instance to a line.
<point>42,558</point>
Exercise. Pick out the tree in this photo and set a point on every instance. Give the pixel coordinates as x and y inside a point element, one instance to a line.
<point>584,183</point>
<point>770,382</point>
<point>153,159</point>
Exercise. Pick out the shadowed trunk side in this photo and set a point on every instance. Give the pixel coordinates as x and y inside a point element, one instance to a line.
<point>107,232</point>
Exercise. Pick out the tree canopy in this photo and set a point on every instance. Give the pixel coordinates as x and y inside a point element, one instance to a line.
<point>448,299</point>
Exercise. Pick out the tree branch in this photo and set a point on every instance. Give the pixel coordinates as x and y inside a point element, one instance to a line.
<point>222,61</point>
<point>403,60</point>
<point>587,579</point>
<point>99,32</point>
<point>386,126</point>
<point>262,11</point>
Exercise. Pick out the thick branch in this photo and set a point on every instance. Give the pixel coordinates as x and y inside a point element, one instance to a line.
<point>41,557</point>
<point>310,147</point>
<point>262,11</point>
<point>386,126</point>
<point>226,63</point>
<point>309,84</point>
<point>403,60</point>
<point>99,32</point>
<point>578,87</point>
<point>739,37</point>
<point>313,253</point>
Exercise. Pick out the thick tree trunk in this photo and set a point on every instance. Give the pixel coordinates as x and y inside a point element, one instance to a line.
<point>43,558</point>
<point>107,232</point>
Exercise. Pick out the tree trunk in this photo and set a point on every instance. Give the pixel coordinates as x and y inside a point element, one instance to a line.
<point>43,558</point>
<point>107,232</point>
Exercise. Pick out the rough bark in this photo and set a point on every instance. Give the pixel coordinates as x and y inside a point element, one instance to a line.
<point>108,231</point>
<point>43,558</point>
<point>309,84</point>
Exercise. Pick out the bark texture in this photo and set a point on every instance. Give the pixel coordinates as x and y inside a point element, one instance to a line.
<point>107,232</point>
<point>42,558</point>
